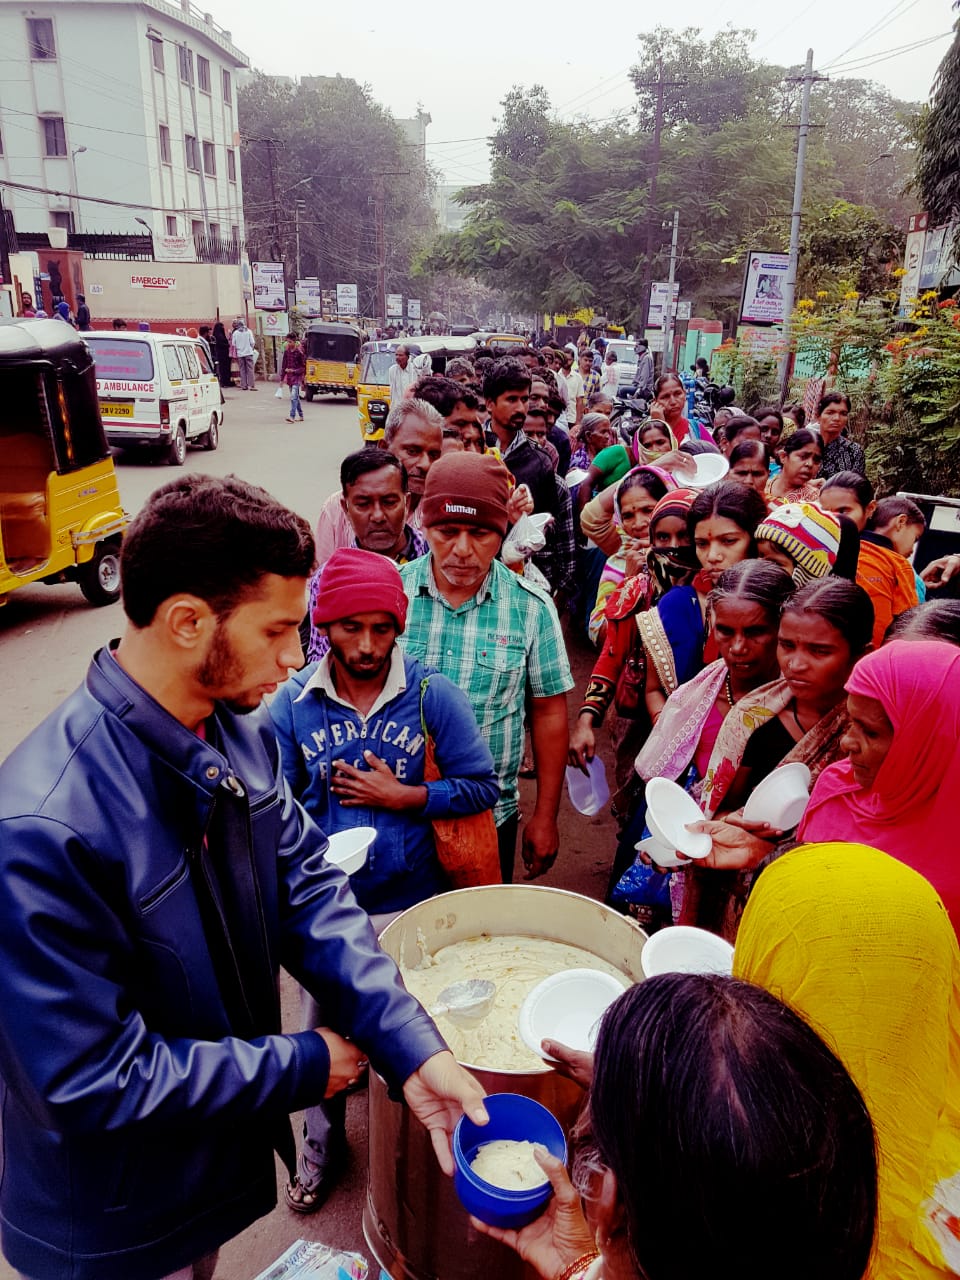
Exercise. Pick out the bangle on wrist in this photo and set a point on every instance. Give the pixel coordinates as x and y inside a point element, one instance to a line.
<point>580,1266</point>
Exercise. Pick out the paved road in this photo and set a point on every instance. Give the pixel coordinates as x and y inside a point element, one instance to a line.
<point>47,635</point>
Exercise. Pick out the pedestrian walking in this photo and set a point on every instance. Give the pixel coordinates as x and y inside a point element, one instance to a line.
<point>293,370</point>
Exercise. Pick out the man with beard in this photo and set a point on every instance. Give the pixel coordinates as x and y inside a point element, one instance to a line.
<point>350,729</point>
<point>156,873</point>
<point>414,434</point>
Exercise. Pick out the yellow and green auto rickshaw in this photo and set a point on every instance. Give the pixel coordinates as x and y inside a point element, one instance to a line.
<point>333,354</point>
<point>373,387</point>
<point>60,513</point>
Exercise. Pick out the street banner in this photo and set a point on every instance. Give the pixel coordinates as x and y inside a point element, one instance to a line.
<point>328,301</point>
<point>273,324</point>
<point>763,301</point>
<point>912,262</point>
<point>347,302</point>
<point>174,249</point>
<point>307,292</point>
<point>268,294</point>
<point>413,308</point>
<point>662,296</point>
<point>394,306</point>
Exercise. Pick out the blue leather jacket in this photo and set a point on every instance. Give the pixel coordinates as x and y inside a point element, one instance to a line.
<point>138,1120</point>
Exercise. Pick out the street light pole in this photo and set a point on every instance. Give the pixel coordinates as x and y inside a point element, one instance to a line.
<point>77,151</point>
<point>884,155</point>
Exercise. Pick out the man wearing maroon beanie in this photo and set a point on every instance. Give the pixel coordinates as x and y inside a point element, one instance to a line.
<point>498,639</point>
<point>352,748</point>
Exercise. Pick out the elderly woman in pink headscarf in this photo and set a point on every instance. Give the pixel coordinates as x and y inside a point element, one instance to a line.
<point>896,790</point>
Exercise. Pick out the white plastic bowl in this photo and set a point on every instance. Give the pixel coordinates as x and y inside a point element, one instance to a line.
<point>711,467</point>
<point>669,809</point>
<point>568,1007</point>
<point>661,854</point>
<point>781,798</point>
<point>348,849</point>
<point>680,948</point>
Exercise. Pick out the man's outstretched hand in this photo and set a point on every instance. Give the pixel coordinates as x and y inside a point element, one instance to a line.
<point>438,1094</point>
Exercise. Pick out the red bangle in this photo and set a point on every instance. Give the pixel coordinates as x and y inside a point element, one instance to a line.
<point>580,1266</point>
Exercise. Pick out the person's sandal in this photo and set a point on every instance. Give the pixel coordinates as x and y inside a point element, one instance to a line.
<point>314,1183</point>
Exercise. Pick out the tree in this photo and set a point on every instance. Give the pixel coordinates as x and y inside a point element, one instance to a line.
<point>336,150</point>
<point>938,141</point>
<point>563,221</point>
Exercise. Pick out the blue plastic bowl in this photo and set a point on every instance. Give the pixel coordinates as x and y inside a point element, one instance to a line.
<point>518,1119</point>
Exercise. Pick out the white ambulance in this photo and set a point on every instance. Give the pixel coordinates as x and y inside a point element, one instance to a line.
<point>156,391</point>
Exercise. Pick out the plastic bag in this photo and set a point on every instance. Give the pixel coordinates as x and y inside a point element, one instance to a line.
<point>588,791</point>
<point>526,537</point>
<point>279,393</point>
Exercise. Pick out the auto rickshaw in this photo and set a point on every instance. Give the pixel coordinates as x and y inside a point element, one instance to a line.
<point>60,513</point>
<point>333,353</point>
<point>373,388</point>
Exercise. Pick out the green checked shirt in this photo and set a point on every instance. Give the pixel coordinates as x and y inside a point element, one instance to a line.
<point>495,647</point>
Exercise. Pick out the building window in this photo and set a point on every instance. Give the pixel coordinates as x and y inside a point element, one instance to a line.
<point>54,136</point>
<point>193,152</point>
<point>209,159</point>
<point>166,155</point>
<point>185,59</point>
<point>231,164</point>
<point>214,230</point>
<point>156,53</point>
<point>62,219</point>
<point>171,225</point>
<point>235,233</point>
<point>227,85</point>
<point>196,229</point>
<point>203,74</point>
<point>40,37</point>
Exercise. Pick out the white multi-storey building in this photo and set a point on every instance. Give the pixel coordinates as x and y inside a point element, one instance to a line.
<point>119,113</point>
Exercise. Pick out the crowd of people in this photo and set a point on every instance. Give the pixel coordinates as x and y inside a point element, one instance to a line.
<point>162,833</point>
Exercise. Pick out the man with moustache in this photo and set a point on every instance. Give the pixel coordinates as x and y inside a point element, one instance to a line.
<point>350,729</point>
<point>414,435</point>
<point>373,494</point>
<point>156,873</point>
<point>498,639</point>
<point>506,389</point>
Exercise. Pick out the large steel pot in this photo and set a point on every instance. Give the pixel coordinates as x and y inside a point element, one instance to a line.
<point>412,1220</point>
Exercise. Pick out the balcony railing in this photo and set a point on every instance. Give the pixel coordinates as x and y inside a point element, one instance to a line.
<point>122,247</point>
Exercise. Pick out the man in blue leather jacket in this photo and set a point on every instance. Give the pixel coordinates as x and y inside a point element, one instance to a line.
<point>155,873</point>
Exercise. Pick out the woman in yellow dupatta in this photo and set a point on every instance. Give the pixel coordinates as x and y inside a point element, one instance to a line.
<point>860,945</point>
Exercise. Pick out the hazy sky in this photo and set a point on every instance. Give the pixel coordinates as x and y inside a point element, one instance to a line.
<point>459,66</point>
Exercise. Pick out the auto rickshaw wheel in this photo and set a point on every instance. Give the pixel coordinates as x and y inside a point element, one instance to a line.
<point>177,453</point>
<point>99,578</point>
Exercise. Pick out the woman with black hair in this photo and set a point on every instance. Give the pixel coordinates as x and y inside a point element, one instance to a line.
<point>839,452</point>
<point>669,403</point>
<point>709,1100</point>
<point>800,457</point>
<point>721,523</point>
<point>221,354</point>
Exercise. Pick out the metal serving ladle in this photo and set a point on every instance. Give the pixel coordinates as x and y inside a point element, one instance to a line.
<point>465,1003</point>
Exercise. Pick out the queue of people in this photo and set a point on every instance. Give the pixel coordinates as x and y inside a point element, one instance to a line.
<point>162,838</point>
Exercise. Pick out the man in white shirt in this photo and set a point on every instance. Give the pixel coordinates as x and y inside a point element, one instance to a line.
<point>574,391</point>
<point>402,375</point>
<point>245,348</point>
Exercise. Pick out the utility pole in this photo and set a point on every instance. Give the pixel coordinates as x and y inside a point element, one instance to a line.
<point>669,323</point>
<point>297,207</point>
<point>5,274</point>
<point>381,251</point>
<point>808,79</point>
<point>661,86</point>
